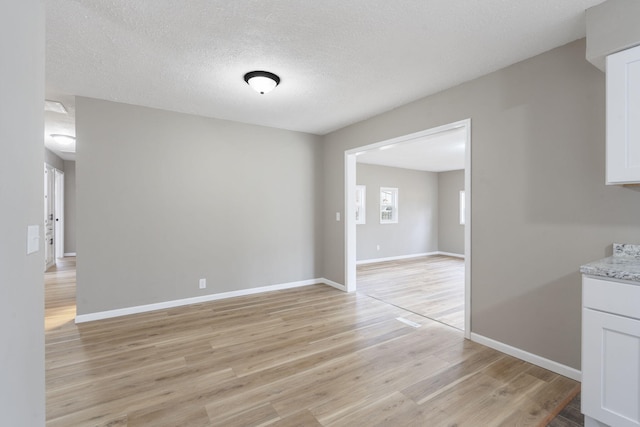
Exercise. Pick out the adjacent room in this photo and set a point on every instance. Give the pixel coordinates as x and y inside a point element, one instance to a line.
<point>410,220</point>
<point>204,223</point>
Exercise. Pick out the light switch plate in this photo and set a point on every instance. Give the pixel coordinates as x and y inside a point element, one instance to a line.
<point>33,239</point>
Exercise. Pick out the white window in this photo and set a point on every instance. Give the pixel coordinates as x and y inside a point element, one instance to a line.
<point>388,205</point>
<point>462,208</point>
<point>361,204</point>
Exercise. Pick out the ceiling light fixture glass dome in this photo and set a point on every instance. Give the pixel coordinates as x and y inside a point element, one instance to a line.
<point>63,139</point>
<point>262,81</point>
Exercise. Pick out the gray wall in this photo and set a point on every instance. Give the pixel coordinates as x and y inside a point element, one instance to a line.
<point>540,208</point>
<point>164,199</point>
<point>450,231</point>
<point>149,191</point>
<point>612,26</point>
<point>69,206</point>
<point>53,159</point>
<point>417,228</point>
<point>22,401</point>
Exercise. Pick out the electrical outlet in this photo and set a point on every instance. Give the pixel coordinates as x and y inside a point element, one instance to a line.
<point>377,247</point>
<point>203,283</point>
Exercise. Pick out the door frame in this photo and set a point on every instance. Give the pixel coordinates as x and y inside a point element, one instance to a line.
<point>349,208</point>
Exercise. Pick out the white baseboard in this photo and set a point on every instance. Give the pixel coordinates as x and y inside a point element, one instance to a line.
<point>69,254</point>
<point>81,318</point>
<point>451,254</point>
<point>394,258</point>
<point>556,367</point>
<point>333,284</point>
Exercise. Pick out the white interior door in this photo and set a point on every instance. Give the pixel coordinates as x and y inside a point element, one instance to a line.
<point>58,235</point>
<point>49,207</point>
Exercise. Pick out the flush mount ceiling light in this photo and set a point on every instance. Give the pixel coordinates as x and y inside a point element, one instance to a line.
<point>63,139</point>
<point>262,81</point>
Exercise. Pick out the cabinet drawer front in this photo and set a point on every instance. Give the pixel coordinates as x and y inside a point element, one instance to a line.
<point>611,368</point>
<point>612,297</point>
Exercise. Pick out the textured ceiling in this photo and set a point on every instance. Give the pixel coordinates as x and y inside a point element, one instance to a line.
<point>60,123</point>
<point>339,61</point>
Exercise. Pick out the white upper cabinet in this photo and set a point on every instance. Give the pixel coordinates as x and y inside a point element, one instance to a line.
<point>623,117</point>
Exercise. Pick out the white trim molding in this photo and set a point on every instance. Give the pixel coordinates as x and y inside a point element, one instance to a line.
<point>556,367</point>
<point>450,254</point>
<point>82,318</point>
<point>69,254</point>
<point>394,258</point>
<point>333,284</point>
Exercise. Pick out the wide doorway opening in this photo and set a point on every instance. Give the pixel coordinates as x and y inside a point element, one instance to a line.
<point>408,222</point>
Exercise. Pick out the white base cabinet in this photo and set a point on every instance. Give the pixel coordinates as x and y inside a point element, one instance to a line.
<point>610,353</point>
<point>590,422</point>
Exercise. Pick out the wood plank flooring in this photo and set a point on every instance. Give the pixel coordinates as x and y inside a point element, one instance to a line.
<point>311,356</point>
<point>570,416</point>
<point>432,286</point>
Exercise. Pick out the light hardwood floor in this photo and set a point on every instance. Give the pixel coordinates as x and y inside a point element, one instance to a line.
<point>432,286</point>
<point>311,356</point>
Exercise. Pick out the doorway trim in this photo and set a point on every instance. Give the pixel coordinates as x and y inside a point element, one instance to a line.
<point>349,208</point>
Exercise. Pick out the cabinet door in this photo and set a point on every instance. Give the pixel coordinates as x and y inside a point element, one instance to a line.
<point>611,368</point>
<point>623,117</point>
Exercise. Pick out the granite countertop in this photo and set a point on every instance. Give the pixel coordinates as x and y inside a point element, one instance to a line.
<point>623,265</point>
